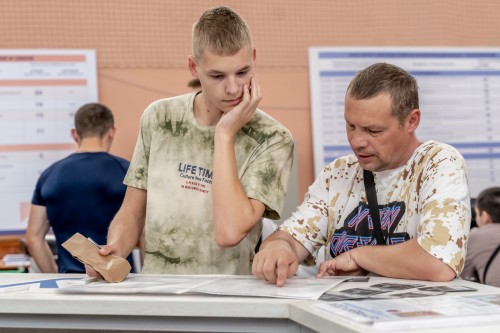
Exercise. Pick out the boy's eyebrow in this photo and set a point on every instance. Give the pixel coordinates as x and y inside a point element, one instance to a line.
<point>215,71</point>
<point>245,68</point>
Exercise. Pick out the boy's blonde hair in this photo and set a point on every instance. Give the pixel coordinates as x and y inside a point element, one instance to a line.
<point>222,31</point>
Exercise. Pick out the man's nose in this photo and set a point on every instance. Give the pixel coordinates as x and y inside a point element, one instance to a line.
<point>358,140</point>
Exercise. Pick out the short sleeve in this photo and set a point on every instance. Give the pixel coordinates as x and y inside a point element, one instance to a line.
<point>137,174</point>
<point>267,175</point>
<point>37,193</point>
<point>445,200</point>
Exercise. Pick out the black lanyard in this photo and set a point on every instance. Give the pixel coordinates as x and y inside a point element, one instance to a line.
<point>371,195</point>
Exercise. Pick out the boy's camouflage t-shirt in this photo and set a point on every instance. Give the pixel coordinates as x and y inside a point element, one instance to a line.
<point>173,161</point>
<point>427,198</point>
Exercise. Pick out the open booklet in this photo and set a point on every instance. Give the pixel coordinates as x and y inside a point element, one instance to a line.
<point>392,290</point>
<point>307,288</point>
<point>417,313</point>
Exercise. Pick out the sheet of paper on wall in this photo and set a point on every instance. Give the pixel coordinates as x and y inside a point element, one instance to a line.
<point>413,313</point>
<point>40,90</point>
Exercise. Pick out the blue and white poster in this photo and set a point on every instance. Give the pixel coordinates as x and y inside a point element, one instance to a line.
<point>459,99</point>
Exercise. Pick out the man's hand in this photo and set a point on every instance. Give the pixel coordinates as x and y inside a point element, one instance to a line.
<point>232,121</point>
<point>276,262</point>
<point>343,264</point>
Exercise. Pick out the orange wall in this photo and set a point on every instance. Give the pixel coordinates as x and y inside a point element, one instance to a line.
<point>128,92</point>
<point>142,46</point>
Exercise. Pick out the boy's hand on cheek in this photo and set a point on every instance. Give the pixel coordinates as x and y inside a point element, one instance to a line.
<point>232,121</point>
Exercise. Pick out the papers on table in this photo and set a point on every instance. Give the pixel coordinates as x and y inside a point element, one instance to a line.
<point>40,285</point>
<point>406,313</point>
<point>391,290</point>
<point>296,287</point>
<point>143,284</point>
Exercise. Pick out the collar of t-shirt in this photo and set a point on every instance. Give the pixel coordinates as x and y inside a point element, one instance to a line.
<point>385,178</point>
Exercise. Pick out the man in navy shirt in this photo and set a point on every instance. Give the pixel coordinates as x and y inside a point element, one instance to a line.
<point>80,193</point>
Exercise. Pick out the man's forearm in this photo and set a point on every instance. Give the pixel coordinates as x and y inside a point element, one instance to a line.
<point>43,257</point>
<point>406,261</point>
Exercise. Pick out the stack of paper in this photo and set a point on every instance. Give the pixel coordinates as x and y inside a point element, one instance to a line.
<point>17,260</point>
<point>412,313</point>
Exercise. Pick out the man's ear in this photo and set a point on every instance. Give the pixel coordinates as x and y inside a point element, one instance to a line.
<point>485,218</point>
<point>192,66</point>
<point>413,120</point>
<point>111,133</point>
<point>75,136</point>
<point>107,139</point>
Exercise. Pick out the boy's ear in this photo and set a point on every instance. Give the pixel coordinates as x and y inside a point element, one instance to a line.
<point>192,66</point>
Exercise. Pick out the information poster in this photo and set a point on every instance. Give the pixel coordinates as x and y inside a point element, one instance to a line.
<point>40,90</point>
<point>459,99</point>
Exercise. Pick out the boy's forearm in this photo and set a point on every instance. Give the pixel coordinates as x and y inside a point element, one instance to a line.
<point>234,214</point>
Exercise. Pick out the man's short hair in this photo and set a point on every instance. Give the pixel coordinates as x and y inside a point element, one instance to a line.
<point>93,120</point>
<point>489,201</point>
<point>222,31</point>
<point>387,78</point>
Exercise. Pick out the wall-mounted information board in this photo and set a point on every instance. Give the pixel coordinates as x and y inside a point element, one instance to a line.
<point>40,90</point>
<point>459,99</point>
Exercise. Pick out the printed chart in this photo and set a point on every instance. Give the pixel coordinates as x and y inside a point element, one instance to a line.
<point>40,90</point>
<point>459,99</point>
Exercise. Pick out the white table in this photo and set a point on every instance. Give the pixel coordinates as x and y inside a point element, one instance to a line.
<point>29,310</point>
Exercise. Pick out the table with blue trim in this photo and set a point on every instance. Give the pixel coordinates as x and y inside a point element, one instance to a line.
<point>23,309</point>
